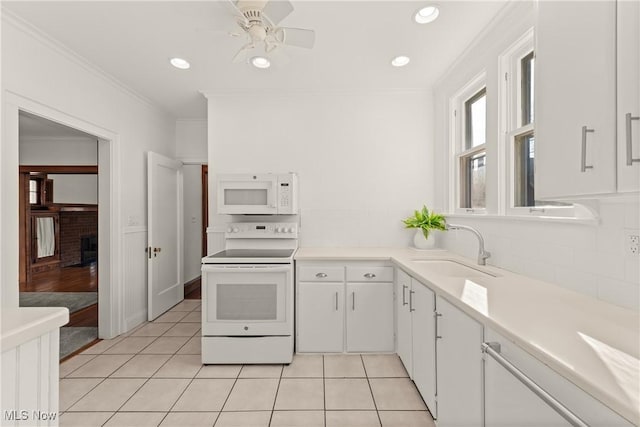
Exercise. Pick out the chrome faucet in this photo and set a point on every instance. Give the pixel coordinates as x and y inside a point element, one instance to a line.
<point>482,253</point>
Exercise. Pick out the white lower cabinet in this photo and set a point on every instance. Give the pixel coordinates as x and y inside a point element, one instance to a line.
<point>415,337</point>
<point>369,317</point>
<point>508,402</point>
<point>320,314</point>
<point>459,367</point>
<point>344,308</point>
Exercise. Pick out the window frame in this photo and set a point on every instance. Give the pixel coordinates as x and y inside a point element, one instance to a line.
<point>512,128</point>
<point>476,87</point>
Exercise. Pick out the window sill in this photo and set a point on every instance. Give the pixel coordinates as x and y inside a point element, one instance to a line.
<point>527,218</point>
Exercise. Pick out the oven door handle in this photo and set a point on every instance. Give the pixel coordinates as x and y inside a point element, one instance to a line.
<point>248,269</point>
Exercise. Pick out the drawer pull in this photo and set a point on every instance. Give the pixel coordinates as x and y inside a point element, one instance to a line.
<point>493,350</point>
<point>321,275</point>
<point>369,275</point>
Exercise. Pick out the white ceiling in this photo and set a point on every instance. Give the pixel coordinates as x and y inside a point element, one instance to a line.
<point>355,42</point>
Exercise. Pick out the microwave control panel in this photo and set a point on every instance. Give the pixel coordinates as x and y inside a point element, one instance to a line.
<point>286,194</point>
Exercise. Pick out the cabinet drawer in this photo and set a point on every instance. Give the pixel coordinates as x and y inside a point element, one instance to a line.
<point>321,274</point>
<point>369,274</point>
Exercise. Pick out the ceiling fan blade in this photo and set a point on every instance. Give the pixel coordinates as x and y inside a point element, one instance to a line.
<point>277,10</point>
<point>242,54</point>
<point>296,37</point>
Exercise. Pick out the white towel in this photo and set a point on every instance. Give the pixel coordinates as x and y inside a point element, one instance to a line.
<point>46,237</point>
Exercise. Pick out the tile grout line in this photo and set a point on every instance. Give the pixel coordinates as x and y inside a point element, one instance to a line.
<point>324,392</point>
<point>275,399</point>
<point>235,381</point>
<point>375,405</point>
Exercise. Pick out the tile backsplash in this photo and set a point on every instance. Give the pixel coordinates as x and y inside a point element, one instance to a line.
<point>590,259</point>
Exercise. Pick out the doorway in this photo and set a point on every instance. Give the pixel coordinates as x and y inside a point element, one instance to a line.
<point>58,225</point>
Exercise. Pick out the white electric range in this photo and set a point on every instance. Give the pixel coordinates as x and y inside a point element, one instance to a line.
<point>247,295</point>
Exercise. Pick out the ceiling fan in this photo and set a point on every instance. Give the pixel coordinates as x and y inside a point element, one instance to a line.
<point>259,19</point>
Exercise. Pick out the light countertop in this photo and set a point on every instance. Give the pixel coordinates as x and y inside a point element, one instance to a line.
<point>591,343</point>
<point>22,324</point>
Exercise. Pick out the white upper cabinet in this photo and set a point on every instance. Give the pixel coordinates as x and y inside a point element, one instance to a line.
<point>628,96</point>
<point>575,93</point>
<point>587,98</point>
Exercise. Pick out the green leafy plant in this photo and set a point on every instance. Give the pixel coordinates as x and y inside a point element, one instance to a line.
<point>426,220</point>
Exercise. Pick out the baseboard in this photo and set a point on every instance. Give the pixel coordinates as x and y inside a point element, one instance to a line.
<point>134,320</point>
<point>191,285</point>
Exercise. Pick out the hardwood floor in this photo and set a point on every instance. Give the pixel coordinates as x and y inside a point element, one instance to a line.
<point>67,279</point>
<point>87,316</point>
<point>192,289</point>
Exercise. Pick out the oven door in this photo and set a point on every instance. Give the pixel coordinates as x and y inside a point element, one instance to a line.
<point>250,194</point>
<point>247,300</point>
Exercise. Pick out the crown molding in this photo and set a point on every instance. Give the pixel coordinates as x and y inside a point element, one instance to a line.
<point>211,94</point>
<point>10,18</point>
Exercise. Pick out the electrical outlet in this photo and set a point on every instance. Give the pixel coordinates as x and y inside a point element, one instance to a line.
<point>632,243</point>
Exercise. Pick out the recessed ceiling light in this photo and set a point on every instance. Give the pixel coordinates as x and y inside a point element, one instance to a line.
<point>400,61</point>
<point>260,62</point>
<point>183,64</point>
<point>427,14</point>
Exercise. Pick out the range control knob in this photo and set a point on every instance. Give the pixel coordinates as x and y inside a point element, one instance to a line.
<point>229,230</point>
<point>290,230</point>
<point>235,230</point>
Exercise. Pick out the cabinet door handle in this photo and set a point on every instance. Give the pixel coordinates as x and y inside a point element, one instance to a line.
<point>336,301</point>
<point>369,275</point>
<point>437,315</point>
<point>628,118</point>
<point>321,275</point>
<point>404,295</point>
<point>353,301</point>
<point>411,301</point>
<point>583,157</point>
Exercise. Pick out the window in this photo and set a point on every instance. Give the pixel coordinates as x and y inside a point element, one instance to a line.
<point>469,137</point>
<point>517,104</point>
<point>34,191</point>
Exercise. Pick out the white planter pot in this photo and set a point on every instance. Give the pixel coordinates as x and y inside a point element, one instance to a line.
<point>421,243</point>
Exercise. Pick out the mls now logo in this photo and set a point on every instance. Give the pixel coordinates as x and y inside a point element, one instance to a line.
<point>24,415</point>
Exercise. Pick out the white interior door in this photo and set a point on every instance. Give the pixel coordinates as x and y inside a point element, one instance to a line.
<point>164,223</point>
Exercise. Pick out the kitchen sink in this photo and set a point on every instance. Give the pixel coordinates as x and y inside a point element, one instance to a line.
<point>452,268</point>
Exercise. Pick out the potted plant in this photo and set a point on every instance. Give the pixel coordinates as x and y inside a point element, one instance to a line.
<point>425,221</point>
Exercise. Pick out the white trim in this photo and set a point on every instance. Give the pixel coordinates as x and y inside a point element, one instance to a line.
<point>212,94</point>
<point>194,161</point>
<point>110,310</point>
<point>11,18</point>
<point>456,137</point>
<point>530,218</point>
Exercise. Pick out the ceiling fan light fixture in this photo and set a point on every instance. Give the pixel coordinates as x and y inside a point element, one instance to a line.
<point>180,63</point>
<point>400,61</point>
<point>427,14</point>
<point>260,62</point>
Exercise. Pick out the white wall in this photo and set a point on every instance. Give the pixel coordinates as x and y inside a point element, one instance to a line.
<point>364,160</point>
<point>75,188</point>
<point>586,258</point>
<point>46,73</point>
<point>58,151</point>
<point>191,148</point>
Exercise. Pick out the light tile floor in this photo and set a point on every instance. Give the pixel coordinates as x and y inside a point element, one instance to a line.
<point>153,376</point>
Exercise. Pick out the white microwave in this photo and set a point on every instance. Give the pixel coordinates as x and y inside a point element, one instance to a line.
<point>257,194</point>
